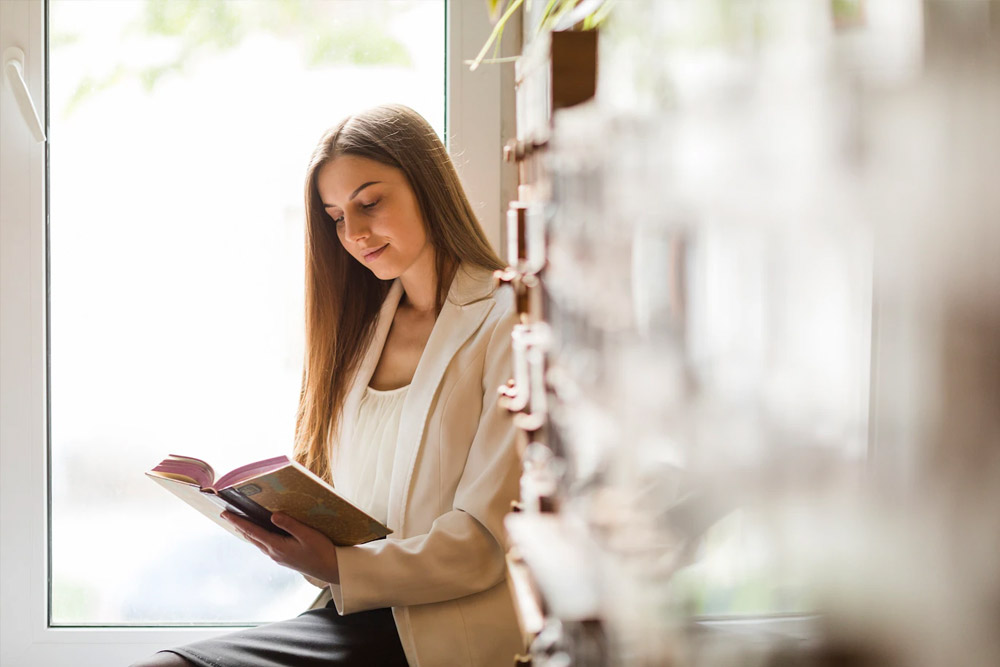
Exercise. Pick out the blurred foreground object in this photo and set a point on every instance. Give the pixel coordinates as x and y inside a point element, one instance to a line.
<point>758,374</point>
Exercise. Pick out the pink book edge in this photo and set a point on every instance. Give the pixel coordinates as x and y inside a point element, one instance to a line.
<point>251,470</point>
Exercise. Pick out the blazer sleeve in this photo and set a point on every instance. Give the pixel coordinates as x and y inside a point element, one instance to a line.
<point>463,553</point>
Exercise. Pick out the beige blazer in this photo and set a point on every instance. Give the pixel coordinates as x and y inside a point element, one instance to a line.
<point>454,476</point>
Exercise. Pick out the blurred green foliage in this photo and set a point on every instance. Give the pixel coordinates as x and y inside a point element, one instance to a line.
<point>329,33</point>
<point>729,575</point>
<point>848,12</point>
<point>89,86</point>
<point>75,600</point>
<point>591,15</point>
<point>355,44</point>
<point>59,39</point>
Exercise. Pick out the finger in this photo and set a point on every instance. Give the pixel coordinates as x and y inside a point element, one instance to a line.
<point>244,532</point>
<point>257,543</point>
<point>275,552</point>
<point>293,527</point>
<point>259,536</point>
<point>239,522</point>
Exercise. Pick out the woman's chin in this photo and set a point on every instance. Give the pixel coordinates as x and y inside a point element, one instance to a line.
<point>384,272</point>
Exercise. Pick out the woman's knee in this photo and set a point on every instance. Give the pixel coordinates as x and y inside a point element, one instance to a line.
<point>163,660</point>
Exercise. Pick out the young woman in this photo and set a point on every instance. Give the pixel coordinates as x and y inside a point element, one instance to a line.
<point>407,340</point>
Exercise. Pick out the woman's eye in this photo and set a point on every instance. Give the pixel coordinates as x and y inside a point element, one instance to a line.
<point>370,206</point>
<point>339,219</point>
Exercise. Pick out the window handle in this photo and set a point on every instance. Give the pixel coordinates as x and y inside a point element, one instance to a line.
<point>13,67</point>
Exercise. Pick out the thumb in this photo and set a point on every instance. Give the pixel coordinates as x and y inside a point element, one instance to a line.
<point>283,521</point>
<point>290,525</point>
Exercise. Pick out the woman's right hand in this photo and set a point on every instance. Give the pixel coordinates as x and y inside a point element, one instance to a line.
<point>303,549</point>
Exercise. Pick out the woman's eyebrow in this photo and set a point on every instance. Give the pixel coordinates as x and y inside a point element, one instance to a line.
<point>360,188</point>
<point>355,193</point>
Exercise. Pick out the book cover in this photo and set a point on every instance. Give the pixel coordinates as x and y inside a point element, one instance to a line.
<point>258,489</point>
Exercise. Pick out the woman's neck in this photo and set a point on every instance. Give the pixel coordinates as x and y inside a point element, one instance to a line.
<point>420,284</point>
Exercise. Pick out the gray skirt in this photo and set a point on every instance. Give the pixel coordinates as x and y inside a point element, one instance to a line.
<point>316,637</point>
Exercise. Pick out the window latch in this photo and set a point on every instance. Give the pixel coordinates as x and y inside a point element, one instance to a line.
<point>13,67</point>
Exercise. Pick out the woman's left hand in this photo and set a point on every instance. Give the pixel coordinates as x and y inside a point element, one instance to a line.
<point>306,550</point>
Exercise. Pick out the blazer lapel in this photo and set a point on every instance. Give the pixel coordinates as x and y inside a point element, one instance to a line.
<point>460,317</point>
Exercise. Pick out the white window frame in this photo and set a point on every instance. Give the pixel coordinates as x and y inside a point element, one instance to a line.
<point>479,108</point>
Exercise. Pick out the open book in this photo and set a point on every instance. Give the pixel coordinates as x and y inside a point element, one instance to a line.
<point>258,489</point>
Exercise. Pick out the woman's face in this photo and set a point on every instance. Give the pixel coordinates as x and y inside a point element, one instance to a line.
<point>376,214</point>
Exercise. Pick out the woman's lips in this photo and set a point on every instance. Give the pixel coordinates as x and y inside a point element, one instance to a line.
<point>372,256</point>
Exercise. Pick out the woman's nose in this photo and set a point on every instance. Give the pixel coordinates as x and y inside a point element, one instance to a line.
<point>355,230</point>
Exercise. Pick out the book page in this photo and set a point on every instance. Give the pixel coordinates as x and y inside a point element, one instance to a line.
<point>190,467</point>
<point>251,470</point>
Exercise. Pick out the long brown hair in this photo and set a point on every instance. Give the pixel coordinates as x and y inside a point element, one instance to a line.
<point>343,298</point>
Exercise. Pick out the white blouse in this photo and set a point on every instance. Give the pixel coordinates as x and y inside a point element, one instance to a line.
<point>365,464</point>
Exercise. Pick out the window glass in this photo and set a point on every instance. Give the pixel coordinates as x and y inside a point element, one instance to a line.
<point>180,132</point>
